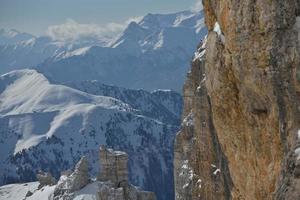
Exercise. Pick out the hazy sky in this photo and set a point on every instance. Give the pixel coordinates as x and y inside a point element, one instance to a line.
<point>35,16</point>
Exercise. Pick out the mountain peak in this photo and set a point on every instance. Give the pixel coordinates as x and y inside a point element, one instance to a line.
<point>13,36</point>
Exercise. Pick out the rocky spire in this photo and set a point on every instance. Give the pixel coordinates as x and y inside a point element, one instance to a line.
<point>67,185</point>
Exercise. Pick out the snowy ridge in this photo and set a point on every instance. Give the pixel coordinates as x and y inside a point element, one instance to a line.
<point>41,96</point>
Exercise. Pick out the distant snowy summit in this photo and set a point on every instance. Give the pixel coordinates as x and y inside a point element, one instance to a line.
<point>112,183</point>
<point>13,36</point>
<point>153,53</point>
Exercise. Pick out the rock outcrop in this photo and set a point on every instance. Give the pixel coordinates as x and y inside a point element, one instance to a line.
<point>241,118</point>
<point>113,178</point>
<point>67,185</point>
<point>112,183</point>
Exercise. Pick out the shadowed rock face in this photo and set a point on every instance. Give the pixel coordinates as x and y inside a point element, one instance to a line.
<point>242,95</point>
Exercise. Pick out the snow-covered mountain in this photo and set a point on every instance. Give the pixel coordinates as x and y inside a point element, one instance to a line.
<point>13,36</point>
<point>31,52</point>
<point>152,53</point>
<point>49,127</point>
<point>27,53</point>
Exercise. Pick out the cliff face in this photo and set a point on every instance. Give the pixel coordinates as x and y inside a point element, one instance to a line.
<point>239,134</point>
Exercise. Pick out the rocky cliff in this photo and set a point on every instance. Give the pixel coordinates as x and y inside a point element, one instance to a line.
<point>241,118</point>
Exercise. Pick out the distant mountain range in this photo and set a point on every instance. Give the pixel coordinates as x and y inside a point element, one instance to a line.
<point>13,36</point>
<point>153,53</point>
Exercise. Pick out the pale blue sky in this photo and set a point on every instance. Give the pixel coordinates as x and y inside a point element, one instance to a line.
<point>34,16</point>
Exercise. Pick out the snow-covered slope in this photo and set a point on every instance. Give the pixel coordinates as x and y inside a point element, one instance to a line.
<point>20,191</point>
<point>49,127</point>
<point>30,191</point>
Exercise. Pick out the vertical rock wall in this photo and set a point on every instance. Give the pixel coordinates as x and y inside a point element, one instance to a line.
<point>241,118</point>
<point>200,166</point>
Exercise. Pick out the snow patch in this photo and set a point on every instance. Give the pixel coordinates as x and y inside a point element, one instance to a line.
<point>179,19</point>
<point>186,173</point>
<point>200,53</point>
<point>199,183</point>
<point>188,120</point>
<point>77,52</point>
<point>218,30</point>
<point>160,42</point>
<point>217,171</point>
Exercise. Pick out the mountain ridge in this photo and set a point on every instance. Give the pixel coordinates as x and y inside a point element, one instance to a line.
<point>146,55</point>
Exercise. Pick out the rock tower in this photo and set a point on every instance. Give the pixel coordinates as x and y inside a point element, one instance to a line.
<point>113,166</point>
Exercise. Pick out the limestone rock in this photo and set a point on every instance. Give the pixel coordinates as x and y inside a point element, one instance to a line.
<point>200,169</point>
<point>80,176</point>
<point>113,166</point>
<point>243,93</point>
<point>67,185</point>
<point>114,178</point>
